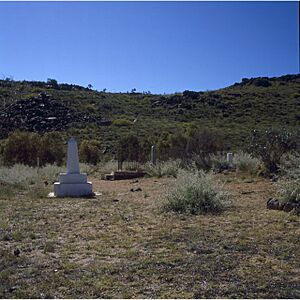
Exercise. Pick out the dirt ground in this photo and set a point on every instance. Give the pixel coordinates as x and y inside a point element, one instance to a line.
<point>122,245</point>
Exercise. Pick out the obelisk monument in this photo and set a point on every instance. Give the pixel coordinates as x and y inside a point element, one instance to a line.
<point>73,183</point>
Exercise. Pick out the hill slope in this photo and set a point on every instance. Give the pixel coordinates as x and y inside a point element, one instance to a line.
<point>256,103</point>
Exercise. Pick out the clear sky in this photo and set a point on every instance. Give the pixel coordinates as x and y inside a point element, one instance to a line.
<point>151,46</point>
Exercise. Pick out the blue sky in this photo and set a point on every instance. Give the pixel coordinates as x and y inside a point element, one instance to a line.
<point>151,46</point>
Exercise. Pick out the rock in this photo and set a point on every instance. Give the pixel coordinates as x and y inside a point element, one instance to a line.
<point>136,190</point>
<point>273,204</point>
<point>12,289</point>
<point>134,181</point>
<point>288,206</point>
<point>17,252</point>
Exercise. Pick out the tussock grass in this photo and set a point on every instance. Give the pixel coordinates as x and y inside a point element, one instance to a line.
<point>196,193</point>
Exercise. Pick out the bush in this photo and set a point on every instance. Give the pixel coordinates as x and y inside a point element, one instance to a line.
<point>26,147</point>
<point>51,149</point>
<point>166,168</point>
<point>32,179</point>
<point>128,148</point>
<point>89,151</point>
<point>263,82</point>
<point>21,148</point>
<point>245,163</point>
<point>270,146</point>
<point>218,162</point>
<point>290,165</point>
<point>289,191</point>
<point>108,167</point>
<point>20,175</point>
<point>122,122</point>
<point>196,193</point>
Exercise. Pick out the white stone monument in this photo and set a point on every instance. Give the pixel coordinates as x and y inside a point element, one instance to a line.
<point>73,183</point>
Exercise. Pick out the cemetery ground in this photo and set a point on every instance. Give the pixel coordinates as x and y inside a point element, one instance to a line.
<point>122,245</point>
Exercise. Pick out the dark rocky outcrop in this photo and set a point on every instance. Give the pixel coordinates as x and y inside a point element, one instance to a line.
<point>42,114</point>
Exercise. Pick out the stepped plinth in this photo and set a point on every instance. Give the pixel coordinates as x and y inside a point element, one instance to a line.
<point>73,183</point>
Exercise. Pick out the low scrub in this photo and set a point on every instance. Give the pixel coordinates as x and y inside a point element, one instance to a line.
<point>37,180</point>
<point>196,193</point>
<point>19,175</point>
<point>289,191</point>
<point>219,162</point>
<point>164,168</point>
<point>245,163</point>
<point>107,167</point>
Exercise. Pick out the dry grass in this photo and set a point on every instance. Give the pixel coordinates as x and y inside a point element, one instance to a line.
<point>121,245</point>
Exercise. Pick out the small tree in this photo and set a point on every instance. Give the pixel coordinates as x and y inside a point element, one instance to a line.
<point>89,151</point>
<point>51,149</point>
<point>26,147</point>
<point>128,148</point>
<point>21,148</point>
<point>53,83</point>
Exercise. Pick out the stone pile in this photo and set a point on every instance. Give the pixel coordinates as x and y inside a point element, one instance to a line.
<point>285,206</point>
<point>41,114</point>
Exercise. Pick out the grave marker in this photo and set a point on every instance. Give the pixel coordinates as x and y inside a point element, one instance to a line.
<point>73,183</point>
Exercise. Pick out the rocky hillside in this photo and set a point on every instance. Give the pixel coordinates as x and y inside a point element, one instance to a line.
<point>256,103</point>
<point>42,114</point>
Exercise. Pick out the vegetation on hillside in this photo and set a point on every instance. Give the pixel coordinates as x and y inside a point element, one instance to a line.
<point>233,112</point>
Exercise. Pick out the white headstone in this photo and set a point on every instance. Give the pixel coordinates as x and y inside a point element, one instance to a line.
<point>229,158</point>
<point>73,183</point>
<point>153,155</point>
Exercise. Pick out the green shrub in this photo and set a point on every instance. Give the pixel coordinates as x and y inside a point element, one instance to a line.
<point>52,149</point>
<point>196,193</point>
<point>21,148</point>
<point>122,122</point>
<point>26,147</point>
<point>128,148</point>
<point>89,151</point>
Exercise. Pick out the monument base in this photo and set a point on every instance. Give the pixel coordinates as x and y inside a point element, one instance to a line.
<point>73,189</point>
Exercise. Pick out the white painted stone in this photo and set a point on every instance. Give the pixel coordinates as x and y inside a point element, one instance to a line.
<point>73,183</point>
<point>229,158</point>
